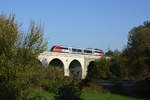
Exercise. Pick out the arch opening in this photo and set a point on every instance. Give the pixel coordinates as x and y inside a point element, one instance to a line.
<point>56,63</point>
<point>75,69</point>
<point>91,70</point>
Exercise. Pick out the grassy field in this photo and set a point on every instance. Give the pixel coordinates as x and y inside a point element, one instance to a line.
<point>85,96</point>
<point>107,96</point>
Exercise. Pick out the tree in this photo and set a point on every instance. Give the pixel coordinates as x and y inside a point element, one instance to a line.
<point>103,68</point>
<point>8,38</point>
<point>34,40</point>
<point>109,53</point>
<point>18,56</point>
<point>138,51</point>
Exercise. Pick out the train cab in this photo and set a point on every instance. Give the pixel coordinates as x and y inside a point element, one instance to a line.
<point>60,49</point>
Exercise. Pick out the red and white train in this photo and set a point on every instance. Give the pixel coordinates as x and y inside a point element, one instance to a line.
<point>64,49</point>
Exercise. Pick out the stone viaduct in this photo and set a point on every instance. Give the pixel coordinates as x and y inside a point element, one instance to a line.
<point>75,65</point>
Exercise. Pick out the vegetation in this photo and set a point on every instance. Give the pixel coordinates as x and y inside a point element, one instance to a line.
<point>133,62</point>
<point>21,75</point>
<point>18,57</point>
<point>105,96</point>
<point>138,48</point>
<point>130,64</point>
<point>23,78</point>
<point>40,96</point>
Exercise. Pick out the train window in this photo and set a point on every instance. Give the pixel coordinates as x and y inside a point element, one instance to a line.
<point>74,50</point>
<point>87,51</point>
<point>64,48</point>
<point>79,50</point>
<point>61,48</point>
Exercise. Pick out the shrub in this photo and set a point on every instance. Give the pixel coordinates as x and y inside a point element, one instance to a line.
<point>69,90</point>
<point>51,87</point>
<point>10,91</point>
<point>40,96</point>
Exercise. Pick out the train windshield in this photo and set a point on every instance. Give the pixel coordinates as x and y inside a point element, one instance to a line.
<point>61,48</point>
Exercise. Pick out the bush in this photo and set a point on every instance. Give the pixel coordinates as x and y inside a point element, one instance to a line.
<point>54,73</point>
<point>40,96</point>
<point>10,91</point>
<point>69,90</point>
<point>51,87</point>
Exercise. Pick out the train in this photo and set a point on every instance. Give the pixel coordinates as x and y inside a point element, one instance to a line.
<point>87,51</point>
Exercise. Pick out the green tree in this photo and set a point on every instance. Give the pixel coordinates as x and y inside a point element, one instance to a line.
<point>18,56</point>
<point>8,38</point>
<point>138,51</point>
<point>109,53</point>
<point>103,68</point>
<point>34,40</point>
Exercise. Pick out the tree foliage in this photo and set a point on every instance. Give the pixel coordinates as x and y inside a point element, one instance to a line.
<point>133,62</point>
<point>138,51</point>
<point>20,71</point>
<point>109,53</point>
<point>112,69</point>
<point>18,56</point>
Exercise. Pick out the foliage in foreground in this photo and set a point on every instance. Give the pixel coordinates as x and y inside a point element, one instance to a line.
<point>69,91</point>
<point>18,57</point>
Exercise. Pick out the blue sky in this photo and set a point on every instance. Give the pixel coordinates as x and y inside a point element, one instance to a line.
<point>82,23</point>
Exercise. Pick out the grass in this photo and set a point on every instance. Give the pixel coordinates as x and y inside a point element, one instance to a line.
<point>43,95</point>
<point>105,96</point>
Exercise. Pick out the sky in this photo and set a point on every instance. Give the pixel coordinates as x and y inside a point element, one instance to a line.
<point>102,24</point>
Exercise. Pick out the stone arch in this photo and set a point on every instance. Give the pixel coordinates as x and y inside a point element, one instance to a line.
<point>56,62</point>
<point>91,69</point>
<point>75,69</point>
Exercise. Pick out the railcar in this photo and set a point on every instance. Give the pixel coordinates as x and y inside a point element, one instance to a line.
<point>63,49</point>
